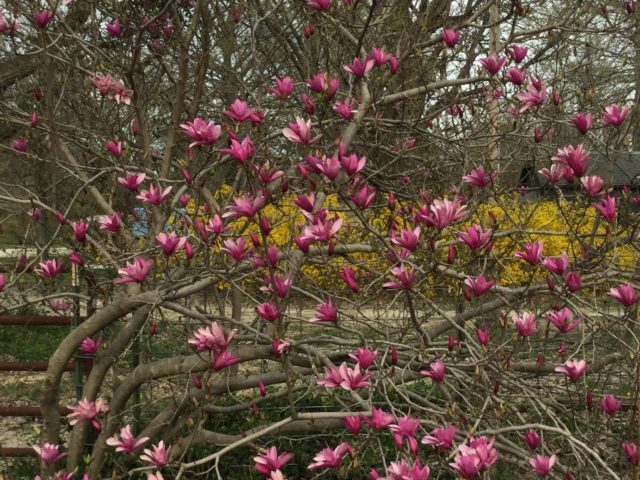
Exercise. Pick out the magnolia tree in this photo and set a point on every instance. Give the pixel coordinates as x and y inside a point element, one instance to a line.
<point>304,220</point>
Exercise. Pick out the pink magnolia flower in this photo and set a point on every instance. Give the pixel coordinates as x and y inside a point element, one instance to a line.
<point>309,104</point>
<point>394,65</point>
<point>87,411</point>
<point>154,195</point>
<point>516,76</point>
<point>34,119</point>
<point>531,99</point>
<point>360,68</point>
<point>573,369</point>
<point>345,377</point>
<point>593,185</point>
<point>112,223</point>
<point>170,243</point>
<point>450,37</point>
<point>270,461</point>
<point>631,452</point>
<point>445,212</point>
<point>158,455</point>
<point>127,443</point>
<point>625,294</point>
<point>582,122</point>
<point>441,437</point>
<point>553,174</point>
<point>352,424</point>
<point>573,281</point>
<point>517,53</point>
<point>308,30</point>
<point>379,419</point>
<point>240,111</point>
<point>532,439</point>
<point>614,115</point>
<point>3,282</point>
<point>327,312</point>
<point>525,323</point>
<point>80,230</point>
<point>320,5</point>
<point>563,320</point>
<point>216,226</point>
<point>408,239</point>
<point>201,132</point>
<point>237,249</point>
<point>267,174</point>
<point>467,466</point>
<point>131,181</point>
<point>483,449</point>
<point>89,346</point>
<point>8,25</point>
<point>223,360</point>
<point>607,208</point>
<point>19,144</point>
<point>42,18</point>
<point>74,257</point>
<point>268,311</point>
<point>279,347</point>
<point>321,83</point>
<point>352,164</point>
<point>49,453</point>
<point>475,236</point>
<point>103,84</point>
<point>49,268</point>
<point>483,336</point>
<point>278,285</point>
<point>284,87</point>
<point>211,338</point>
<point>364,197</point>
<point>245,206</point>
<point>403,471</point>
<point>609,404</point>
<point>329,167</point>
<point>114,148</point>
<point>364,357</point>
<point>119,93</point>
<point>35,214</point>
<point>154,476</point>
<point>493,63</point>
<point>134,272</point>
<point>379,57</point>
<point>345,109</point>
<point>435,371</point>
<point>60,305</point>
<point>322,231</point>
<point>404,279</point>
<point>479,178</point>
<point>114,28</point>
<point>542,465</point>
<point>536,82</point>
<point>241,151</point>
<point>557,265</point>
<point>576,158</point>
<point>406,427</point>
<point>478,286</point>
<point>328,458</point>
<point>300,132</point>
<point>348,276</point>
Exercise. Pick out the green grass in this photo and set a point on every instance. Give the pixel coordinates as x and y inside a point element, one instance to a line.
<point>30,343</point>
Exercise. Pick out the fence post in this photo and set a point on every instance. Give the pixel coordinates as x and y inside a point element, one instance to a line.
<point>75,321</point>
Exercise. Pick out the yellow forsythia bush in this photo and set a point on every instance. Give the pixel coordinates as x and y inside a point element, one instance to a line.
<point>561,227</point>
